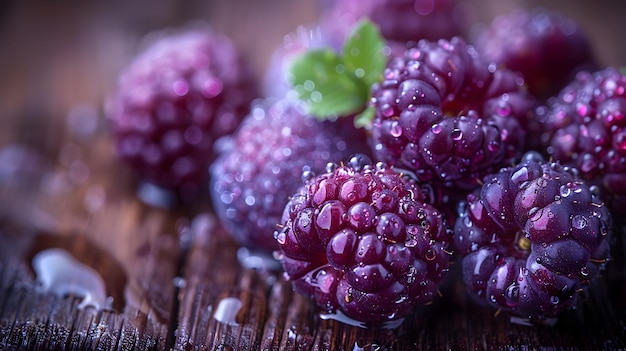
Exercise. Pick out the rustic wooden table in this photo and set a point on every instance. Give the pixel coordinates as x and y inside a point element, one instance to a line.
<point>161,279</point>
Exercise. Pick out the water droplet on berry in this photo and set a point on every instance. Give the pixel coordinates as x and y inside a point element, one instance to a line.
<point>430,255</point>
<point>60,273</point>
<point>358,161</point>
<point>395,129</point>
<point>511,295</point>
<point>281,237</point>
<point>436,128</point>
<point>411,241</point>
<point>493,145</point>
<point>565,190</point>
<point>579,221</point>
<point>519,176</point>
<point>457,134</point>
<point>584,271</point>
<point>308,176</point>
<point>554,299</point>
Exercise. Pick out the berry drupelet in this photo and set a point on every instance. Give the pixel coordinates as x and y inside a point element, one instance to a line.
<point>444,113</point>
<point>362,240</point>
<point>261,164</point>
<point>176,98</point>
<point>532,238</point>
<point>585,127</point>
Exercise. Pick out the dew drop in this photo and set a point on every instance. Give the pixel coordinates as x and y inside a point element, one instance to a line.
<point>281,237</point>
<point>579,222</point>
<point>565,190</point>
<point>227,310</point>
<point>436,128</point>
<point>411,241</point>
<point>584,271</point>
<point>179,282</point>
<point>554,300</point>
<point>308,176</point>
<point>395,130</point>
<point>457,134</point>
<point>511,295</point>
<point>430,254</point>
<point>387,110</point>
<point>493,145</point>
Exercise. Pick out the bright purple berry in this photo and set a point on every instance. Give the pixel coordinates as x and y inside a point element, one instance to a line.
<point>585,127</point>
<point>261,165</point>
<point>400,21</point>
<point>445,114</point>
<point>532,238</point>
<point>362,240</point>
<point>174,101</point>
<point>546,47</point>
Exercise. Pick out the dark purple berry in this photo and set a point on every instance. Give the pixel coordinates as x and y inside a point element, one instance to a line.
<point>585,127</point>
<point>176,98</point>
<point>400,21</point>
<point>544,46</point>
<point>261,165</point>
<point>371,246</point>
<point>532,238</point>
<point>445,114</point>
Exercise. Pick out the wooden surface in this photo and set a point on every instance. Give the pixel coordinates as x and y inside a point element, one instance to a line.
<point>174,279</point>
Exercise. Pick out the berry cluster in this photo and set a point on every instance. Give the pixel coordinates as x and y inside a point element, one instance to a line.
<point>585,127</point>
<point>531,238</point>
<point>362,239</point>
<point>446,114</point>
<point>449,139</point>
<point>176,98</point>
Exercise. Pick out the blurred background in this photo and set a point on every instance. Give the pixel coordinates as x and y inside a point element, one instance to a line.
<point>61,58</point>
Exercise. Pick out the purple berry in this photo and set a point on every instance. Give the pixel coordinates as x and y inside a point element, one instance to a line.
<point>400,21</point>
<point>585,127</point>
<point>173,101</point>
<point>260,166</point>
<point>362,240</point>
<point>544,46</point>
<point>532,238</point>
<point>447,115</point>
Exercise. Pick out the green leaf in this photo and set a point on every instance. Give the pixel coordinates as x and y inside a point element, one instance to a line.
<point>365,118</point>
<point>338,84</point>
<point>363,53</point>
<point>319,78</point>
